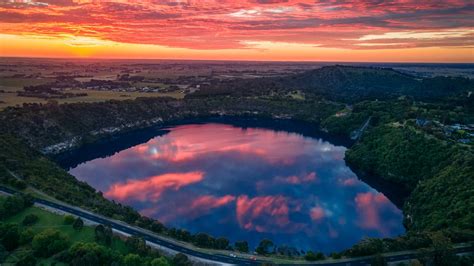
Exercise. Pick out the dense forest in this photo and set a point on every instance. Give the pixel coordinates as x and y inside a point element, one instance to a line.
<point>435,169</point>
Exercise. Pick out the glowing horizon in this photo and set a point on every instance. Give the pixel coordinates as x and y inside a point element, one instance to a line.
<point>252,30</point>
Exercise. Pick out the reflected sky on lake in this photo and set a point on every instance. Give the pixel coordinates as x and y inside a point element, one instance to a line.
<point>246,184</point>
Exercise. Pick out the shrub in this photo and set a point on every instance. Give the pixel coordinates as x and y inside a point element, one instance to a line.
<point>49,242</point>
<point>30,219</point>
<point>181,260</point>
<point>312,256</point>
<point>69,219</point>
<point>78,224</point>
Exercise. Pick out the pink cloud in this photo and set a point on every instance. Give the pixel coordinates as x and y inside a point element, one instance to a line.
<point>317,213</point>
<point>207,201</point>
<point>229,24</point>
<point>369,205</point>
<point>151,188</point>
<point>349,182</point>
<point>266,214</point>
<point>182,144</point>
<point>190,208</point>
<point>295,180</point>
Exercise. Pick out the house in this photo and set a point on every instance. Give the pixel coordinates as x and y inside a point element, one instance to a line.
<point>421,122</point>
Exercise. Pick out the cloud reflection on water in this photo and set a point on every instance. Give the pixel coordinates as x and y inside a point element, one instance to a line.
<point>246,184</point>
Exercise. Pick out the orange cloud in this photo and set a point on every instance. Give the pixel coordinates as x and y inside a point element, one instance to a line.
<point>151,188</point>
<point>265,30</point>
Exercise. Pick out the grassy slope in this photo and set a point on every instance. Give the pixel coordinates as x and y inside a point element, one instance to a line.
<point>55,221</point>
<point>51,220</point>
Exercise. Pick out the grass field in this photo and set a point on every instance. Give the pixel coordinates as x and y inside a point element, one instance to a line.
<point>11,99</point>
<point>20,82</point>
<point>55,221</point>
<point>50,220</point>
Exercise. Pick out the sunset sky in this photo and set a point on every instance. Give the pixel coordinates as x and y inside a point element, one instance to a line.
<point>316,30</point>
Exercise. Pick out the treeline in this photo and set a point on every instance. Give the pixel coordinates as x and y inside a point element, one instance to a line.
<point>349,84</point>
<point>432,248</point>
<point>48,124</point>
<point>353,84</point>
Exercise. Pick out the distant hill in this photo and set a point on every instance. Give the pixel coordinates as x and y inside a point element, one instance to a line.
<point>359,83</point>
<point>348,84</point>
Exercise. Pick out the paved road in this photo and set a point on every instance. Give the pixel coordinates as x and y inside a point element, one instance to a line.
<point>356,134</point>
<point>213,257</point>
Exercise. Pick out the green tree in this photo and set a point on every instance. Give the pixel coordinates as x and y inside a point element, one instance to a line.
<point>26,259</point>
<point>69,219</point>
<point>26,236</point>
<point>242,246</point>
<point>181,260</point>
<point>3,253</point>
<point>103,234</point>
<point>264,247</point>
<point>312,256</point>
<point>161,261</point>
<point>78,224</point>
<point>9,236</point>
<point>132,260</point>
<point>442,249</point>
<point>87,258</point>
<point>366,247</point>
<point>222,243</point>
<point>204,240</point>
<point>13,205</point>
<point>88,253</point>
<point>30,219</point>
<point>49,242</point>
<point>137,245</point>
<point>157,227</point>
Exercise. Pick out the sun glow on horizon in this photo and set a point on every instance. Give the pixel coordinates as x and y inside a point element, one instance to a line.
<point>86,47</point>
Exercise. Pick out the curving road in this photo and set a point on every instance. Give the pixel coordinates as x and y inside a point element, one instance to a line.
<point>218,258</point>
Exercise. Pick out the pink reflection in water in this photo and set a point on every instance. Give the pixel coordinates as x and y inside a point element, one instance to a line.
<point>190,208</point>
<point>370,205</point>
<point>188,142</point>
<point>151,188</point>
<point>295,180</point>
<point>245,184</point>
<point>317,213</point>
<point>266,214</point>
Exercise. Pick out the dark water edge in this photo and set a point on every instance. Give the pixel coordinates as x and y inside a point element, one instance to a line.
<point>109,146</point>
<point>395,192</point>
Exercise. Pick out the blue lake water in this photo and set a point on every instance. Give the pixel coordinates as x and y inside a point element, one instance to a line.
<point>246,184</point>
